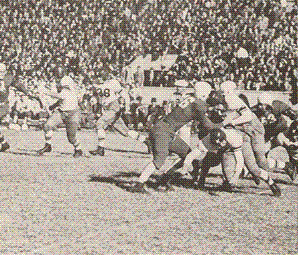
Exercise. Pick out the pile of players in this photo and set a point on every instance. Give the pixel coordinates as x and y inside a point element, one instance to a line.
<point>230,132</point>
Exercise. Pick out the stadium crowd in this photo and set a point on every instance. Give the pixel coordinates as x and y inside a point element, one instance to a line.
<point>253,43</point>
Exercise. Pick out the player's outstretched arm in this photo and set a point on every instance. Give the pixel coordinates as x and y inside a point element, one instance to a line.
<point>246,116</point>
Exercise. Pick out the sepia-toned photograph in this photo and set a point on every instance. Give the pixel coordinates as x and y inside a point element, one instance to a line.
<point>148,127</point>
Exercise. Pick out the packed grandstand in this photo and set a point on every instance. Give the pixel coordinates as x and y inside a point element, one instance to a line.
<point>253,43</point>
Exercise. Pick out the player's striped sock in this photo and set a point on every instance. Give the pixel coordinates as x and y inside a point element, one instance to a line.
<point>147,172</point>
<point>77,146</point>
<point>49,136</point>
<point>102,142</point>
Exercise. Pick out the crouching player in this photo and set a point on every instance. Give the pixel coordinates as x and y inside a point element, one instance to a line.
<point>254,149</point>
<point>234,150</point>
<point>289,140</point>
<point>67,112</point>
<point>115,100</point>
<point>272,114</point>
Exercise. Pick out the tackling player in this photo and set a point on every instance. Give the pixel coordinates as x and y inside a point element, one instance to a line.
<point>114,99</point>
<point>163,136</point>
<point>268,112</point>
<point>254,149</point>
<point>66,110</point>
<point>271,113</point>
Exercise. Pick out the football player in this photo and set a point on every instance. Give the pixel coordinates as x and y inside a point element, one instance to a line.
<point>242,118</point>
<point>164,138</point>
<point>289,140</point>
<point>7,80</point>
<point>66,110</point>
<point>226,143</point>
<point>274,121</point>
<point>115,100</point>
<point>272,115</point>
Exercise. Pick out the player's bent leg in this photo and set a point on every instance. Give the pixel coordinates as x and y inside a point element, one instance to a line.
<point>72,123</point>
<point>228,169</point>
<point>212,159</point>
<point>48,128</point>
<point>161,140</point>
<point>178,146</point>
<point>252,166</point>
<point>108,118</point>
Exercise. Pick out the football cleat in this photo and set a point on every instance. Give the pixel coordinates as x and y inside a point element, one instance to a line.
<point>46,148</point>
<point>99,151</point>
<point>256,180</point>
<point>138,188</point>
<point>275,190</point>
<point>5,146</point>
<point>226,186</point>
<point>78,153</point>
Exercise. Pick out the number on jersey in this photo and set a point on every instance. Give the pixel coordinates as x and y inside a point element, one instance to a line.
<point>104,92</point>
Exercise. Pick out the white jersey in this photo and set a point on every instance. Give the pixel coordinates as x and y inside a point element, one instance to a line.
<point>234,102</point>
<point>69,96</point>
<point>233,137</point>
<point>236,107</point>
<point>47,100</point>
<point>110,91</point>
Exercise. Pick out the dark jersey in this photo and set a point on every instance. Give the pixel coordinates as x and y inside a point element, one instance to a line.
<point>272,127</point>
<point>280,108</point>
<point>8,81</point>
<point>189,109</point>
<point>233,138</point>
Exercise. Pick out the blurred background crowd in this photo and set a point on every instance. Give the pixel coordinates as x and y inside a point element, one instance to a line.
<point>252,42</point>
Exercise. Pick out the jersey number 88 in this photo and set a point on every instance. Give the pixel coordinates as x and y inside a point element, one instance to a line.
<point>104,92</point>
